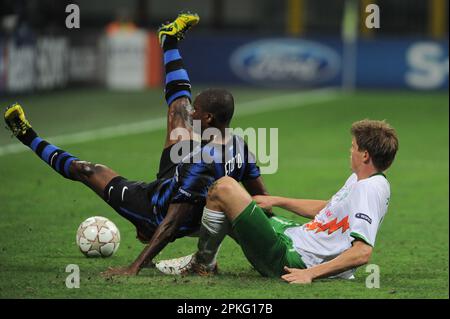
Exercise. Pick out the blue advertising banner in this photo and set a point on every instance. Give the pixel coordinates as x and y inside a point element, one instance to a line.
<point>413,64</point>
<point>280,62</point>
<point>268,62</point>
<point>293,62</point>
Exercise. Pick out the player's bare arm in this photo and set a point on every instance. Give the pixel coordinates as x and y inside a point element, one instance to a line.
<point>227,196</point>
<point>358,255</point>
<point>308,208</point>
<point>164,234</point>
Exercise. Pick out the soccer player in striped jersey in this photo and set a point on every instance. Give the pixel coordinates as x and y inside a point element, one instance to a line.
<point>170,207</point>
<point>341,234</point>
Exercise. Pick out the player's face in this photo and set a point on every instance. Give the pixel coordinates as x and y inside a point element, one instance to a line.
<point>199,115</point>
<point>356,156</point>
<point>196,114</point>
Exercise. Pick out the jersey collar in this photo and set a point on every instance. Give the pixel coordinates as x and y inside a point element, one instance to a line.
<point>378,173</point>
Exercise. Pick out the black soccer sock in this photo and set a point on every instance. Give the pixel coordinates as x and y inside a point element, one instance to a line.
<point>56,158</point>
<point>177,79</point>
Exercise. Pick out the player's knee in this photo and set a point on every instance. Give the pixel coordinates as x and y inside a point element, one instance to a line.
<point>87,169</point>
<point>222,189</point>
<point>100,168</point>
<point>83,168</point>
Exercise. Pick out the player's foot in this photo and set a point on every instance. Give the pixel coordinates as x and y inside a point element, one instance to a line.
<point>16,121</point>
<point>178,27</point>
<point>186,265</point>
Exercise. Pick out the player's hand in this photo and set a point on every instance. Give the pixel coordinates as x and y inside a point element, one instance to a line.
<point>297,276</point>
<point>265,202</point>
<point>120,271</point>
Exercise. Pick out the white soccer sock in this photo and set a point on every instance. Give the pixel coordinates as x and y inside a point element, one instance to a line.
<point>215,226</point>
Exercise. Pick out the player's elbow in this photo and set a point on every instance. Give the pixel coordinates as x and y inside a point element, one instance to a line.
<point>364,258</point>
<point>364,252</point>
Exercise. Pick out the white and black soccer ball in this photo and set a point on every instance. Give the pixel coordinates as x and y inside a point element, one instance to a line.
<point>98,237</point>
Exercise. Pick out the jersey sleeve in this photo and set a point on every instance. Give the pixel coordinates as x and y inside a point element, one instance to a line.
<point>192,183</point>
<point>366,214</point>
<point>353,178</point>
<point>251,169</point>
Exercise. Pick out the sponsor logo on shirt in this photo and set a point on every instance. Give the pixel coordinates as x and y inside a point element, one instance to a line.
<point>364,217</point>
<point>331,226</point>
<point>182,191</point>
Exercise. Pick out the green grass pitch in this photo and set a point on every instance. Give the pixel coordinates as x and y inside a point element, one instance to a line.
<point>40,211</point>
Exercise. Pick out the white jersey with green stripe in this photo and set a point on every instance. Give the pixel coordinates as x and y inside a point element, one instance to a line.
<point>355,211</point>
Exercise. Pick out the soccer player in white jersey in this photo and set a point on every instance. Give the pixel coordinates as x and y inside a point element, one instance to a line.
<point>342,232</point>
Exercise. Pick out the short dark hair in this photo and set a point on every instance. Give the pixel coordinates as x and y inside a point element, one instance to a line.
<point>218,102</point>
<point>379,139</point>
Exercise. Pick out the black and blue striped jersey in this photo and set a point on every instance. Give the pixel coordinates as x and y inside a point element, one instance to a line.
<point>189,180</point>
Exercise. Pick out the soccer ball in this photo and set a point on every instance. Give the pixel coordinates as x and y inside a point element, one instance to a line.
<point>98,237</point>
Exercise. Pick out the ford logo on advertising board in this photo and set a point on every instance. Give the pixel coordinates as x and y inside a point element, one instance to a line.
<point>285,62</point>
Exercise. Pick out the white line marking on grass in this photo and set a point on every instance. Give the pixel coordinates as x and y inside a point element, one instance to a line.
<point>287,101</point>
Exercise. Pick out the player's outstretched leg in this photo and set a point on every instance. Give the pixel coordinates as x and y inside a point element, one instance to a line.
<point>95,176</point>
<point>101,179</point>
<point>213,229</point>
<point>224,195</point>
<point>177,84</point>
